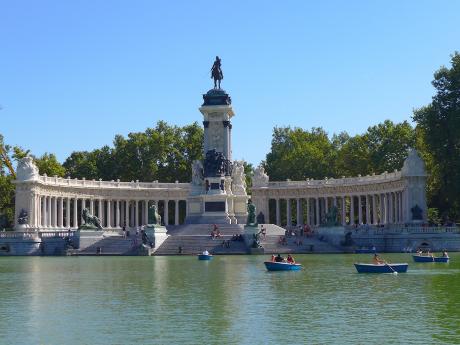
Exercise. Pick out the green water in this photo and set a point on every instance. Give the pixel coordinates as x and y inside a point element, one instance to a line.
<point>229,300</point>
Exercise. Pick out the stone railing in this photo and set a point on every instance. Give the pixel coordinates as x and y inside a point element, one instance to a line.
<point>401,229</point>
<point>18,235</point>
<point>344,181</point>
<point>60,234</point>
<point>68,182</point>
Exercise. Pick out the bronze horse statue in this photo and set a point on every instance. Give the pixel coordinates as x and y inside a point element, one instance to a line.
<point>216,73</point>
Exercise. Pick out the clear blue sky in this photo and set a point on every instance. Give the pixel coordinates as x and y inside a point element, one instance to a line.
<point>73,74</point>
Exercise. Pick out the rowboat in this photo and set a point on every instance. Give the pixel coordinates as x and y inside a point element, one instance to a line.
<point>282,266</point>
<point>204,256</point>
<point>381,268</point>
<point>426,258</point>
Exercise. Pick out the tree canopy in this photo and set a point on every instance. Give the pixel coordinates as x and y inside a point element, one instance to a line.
<point>438,127</point>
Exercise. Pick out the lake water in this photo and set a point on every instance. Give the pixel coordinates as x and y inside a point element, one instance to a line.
<point>229,300</point>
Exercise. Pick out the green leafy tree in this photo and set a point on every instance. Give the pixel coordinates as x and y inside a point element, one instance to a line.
<point>7,189</point>
<point>49,165</point>
<point>438,124</point>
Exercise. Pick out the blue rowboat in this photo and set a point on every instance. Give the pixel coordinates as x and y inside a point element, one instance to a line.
<point>426,258</point>
<point>282,266</point>
<point>381,268</point>
<point>204,256</point>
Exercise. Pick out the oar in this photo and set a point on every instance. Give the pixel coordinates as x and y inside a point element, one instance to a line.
<point>391,268</point>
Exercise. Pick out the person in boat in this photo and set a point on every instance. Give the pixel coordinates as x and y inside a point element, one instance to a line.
<point>290,259</point>
<point>279,258</point>
<point>377,260</point>
<point>205,252</point>
<point>444,254</point>
<point>273,258</point>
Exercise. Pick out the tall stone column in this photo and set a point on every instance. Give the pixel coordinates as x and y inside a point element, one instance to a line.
<point>344,212</point>
<point>100,212</point>
<point>109,213</point>
<point>326,205</point>
<point>390,206</point>
<point>360,210</point>
<point>385,208</point>
<point>368,210</point>
<point>166,212</point>
<point>352,210</point>
<point>117,216</point>
<point>75,213</point>
<point>308,211</point>
<point>83,206</point>
<point>67,210</point>
<point>299,212</point>
<point>374,210</point>
<point>54,212</point>
<point>288,212</point>
<point>317,211</point>
<point>176,212</point>
<point>50,212</point>
<point>146,211</point>
<point>136,214</point>
<point>91,206</point>
<point>278,212</point>
<point>127,213</point>
<point>43,212</point>
<point>61,212</point>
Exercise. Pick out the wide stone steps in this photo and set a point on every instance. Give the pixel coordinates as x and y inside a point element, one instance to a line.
<point>112,245</point>
<point>192,245</point>
<point>205,229</point>
<point>271,245</point>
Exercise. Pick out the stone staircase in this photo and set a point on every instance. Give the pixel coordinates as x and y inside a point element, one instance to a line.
<point>108,245</point>
<point>271,245</point>
<point>191,239</point>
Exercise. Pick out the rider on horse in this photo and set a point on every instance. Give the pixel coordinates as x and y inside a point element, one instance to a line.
<point>216,73</point>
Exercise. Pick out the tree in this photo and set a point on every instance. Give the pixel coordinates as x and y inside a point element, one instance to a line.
<point>438,124</point>
<point>297,154</point>
<point>7,189</point>
<point>49,165</point>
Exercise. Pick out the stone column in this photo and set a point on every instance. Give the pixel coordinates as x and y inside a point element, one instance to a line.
<point>146,212</point>
<point>43,211</point>
<point>100,212</point>
<point>83,205</point>
<point>288,212</point>
<point>368,210</point>
<point>127,213</point>
<point>75,213</point>
<point>176,212</point>
<point>278,212</point>
<point>344,212</point>
<point>385,208</point>
<point>360,210</point>
<point>166,212</point>
<point>50,211</point>
<point>326,205</point>
<point>67,205</point>
<point>225,125</point>
<point>109,213</point>
<point>299,212</point>
<point>136,214</point>
<point>117,215</point>
<point>61,212</point>
<point>352,210</point>
<point>390,206</point>
<point>307,200</point>
<point>55,212</point>
<point>91,206</point>
<point>317,211</point>
<point>374,210</point>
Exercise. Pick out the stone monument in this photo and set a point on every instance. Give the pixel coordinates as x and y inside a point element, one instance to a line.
<point>218,193</point>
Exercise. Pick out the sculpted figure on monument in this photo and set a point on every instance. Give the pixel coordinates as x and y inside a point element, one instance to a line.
<point>27,170</point>
<point>91,222</point>
<point>216,73</point>
<point>260,178</point>
<point>215,164</point>
<point>417,213</point>
<point>238,178</point>
<point>23,217</point>
<point>153,217</point>
<point>197,173</point>
<point>251,214</point>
